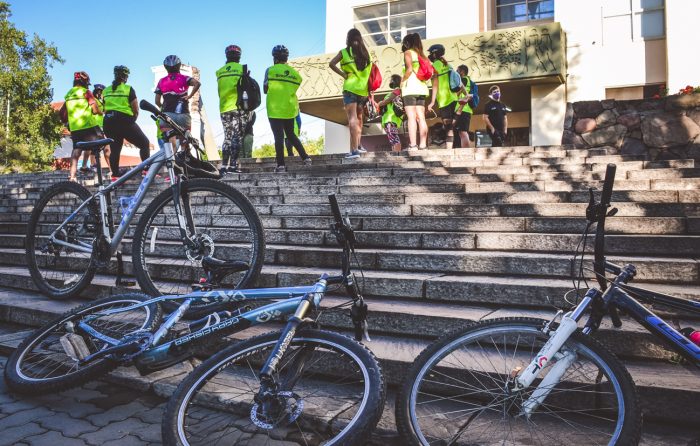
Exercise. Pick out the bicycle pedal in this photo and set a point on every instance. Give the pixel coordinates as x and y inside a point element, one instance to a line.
<point>126,282</point>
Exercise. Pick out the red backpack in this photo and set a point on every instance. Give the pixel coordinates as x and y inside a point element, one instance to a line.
<point>375,78</point>
<point>425,69</point>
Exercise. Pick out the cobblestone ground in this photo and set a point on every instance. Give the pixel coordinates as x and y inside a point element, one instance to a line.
<point>103,414</point>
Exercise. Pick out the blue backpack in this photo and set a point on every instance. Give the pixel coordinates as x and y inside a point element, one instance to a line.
<point>455,81</point>
<point>474,91</point>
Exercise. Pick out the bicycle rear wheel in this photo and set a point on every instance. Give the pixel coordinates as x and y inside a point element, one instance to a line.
<point>335,395</point>
<point>62,272</point>
<point>457,392</point>
<point>224,225</point>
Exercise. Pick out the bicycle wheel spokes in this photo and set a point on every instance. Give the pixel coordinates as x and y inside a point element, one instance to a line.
<point>462,396</point>
<point>329,390</point>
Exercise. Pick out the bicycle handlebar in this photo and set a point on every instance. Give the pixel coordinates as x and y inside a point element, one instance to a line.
<point>147,106</point>
<point>335,209</point>
<point>597,213</point>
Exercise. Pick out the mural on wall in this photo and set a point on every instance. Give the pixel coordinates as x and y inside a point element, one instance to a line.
<point>512,53</point>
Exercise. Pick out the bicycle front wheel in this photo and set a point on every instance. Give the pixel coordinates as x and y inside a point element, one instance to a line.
<point>62,268</point>
<point>331,391</point>
<point>222,223</point>
<point>457,391</point>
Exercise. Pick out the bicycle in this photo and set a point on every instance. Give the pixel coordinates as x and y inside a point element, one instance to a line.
<point>71,231</point>
<point>532,381</point>
<point>303,384</point>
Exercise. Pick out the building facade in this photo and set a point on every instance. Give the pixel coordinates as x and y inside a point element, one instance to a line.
<point>541,53</point>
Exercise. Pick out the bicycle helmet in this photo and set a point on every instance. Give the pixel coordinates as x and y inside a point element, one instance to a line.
<point>234,50</point>
<point>98,87</point>
<point>172,64</point>
<point>436,51</point>
<point>280,50</point>
<point>121,71</point>
<point>81,77</point>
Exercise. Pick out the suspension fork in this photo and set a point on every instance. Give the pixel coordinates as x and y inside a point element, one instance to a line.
<point>183,210</point>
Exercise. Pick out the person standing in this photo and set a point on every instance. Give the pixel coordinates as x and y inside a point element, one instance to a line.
<point>464,110</point>
<point>233,119</point>
<point>97,90</point>
<point>390,121</point>
<point>121,112</point>
<point>173,98</point>
<point>355,68</point>
<point>414,92</point>
<point>281,85</point>
<point>446,98</point>
<point>79,111</point>
<point>496,117</point>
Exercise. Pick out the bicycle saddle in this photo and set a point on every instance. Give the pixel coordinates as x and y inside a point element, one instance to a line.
<point>218,269</point>
<point>87,145</point>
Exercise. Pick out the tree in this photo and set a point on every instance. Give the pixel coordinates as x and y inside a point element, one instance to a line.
<point>29,136</point>
<point>312,147</point>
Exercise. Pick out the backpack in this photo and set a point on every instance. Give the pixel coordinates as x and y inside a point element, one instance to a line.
<point>375,78</point>
<point>248,86</point>
<point>474,91</point>
<point>425,69</point>
<point>455,81</point>
<point>397,102</point>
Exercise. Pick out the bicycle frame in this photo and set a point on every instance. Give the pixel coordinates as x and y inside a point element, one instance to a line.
<point>154,163</point>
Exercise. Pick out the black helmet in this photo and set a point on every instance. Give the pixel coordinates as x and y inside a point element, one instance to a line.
<point>280,50</point>
<point>233,49</point>
<point>121,71</point>
<point>172,64</point>
<point>98,87</point>
<point>436,51</point>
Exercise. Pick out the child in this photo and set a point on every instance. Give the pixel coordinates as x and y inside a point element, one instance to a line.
<point>463,114</point>
<point>390,120</point>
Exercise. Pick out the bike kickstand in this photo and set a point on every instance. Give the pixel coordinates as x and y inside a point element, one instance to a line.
<point>120,273</point>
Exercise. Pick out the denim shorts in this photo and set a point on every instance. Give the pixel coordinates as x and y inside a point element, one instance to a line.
<point>350,98</point>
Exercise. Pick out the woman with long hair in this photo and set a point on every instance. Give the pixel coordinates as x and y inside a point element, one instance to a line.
<point>355,67</point>
<point>414,91</point>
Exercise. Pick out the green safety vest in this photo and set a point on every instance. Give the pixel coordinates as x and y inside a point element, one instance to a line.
<point>467,86</point>
<point>227,77</point>
<point>80,116</point>
<point>357,80</point>
<point>445,96</point>
<point>283,82</point>
<point>412,85</point>
<point>389,115</point>
<point>100,119</point>
<point>117,99</point>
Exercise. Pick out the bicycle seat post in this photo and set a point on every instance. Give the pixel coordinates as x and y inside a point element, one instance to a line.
<point>98,163</point>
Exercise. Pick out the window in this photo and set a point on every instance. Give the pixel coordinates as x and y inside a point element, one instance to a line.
<point>519,11</point>
<point>633,19</point>
<point>388,22</point>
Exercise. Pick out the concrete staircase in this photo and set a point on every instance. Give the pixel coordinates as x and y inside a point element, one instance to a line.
<point>447,237</point>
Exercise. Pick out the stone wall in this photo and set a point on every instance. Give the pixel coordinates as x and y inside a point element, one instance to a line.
<point>665,128</point>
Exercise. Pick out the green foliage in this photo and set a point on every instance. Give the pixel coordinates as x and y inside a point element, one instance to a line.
<point>312,146</point>
<point>28,142</point>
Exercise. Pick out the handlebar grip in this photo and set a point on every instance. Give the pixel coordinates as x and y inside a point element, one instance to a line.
<point>145,105</point>
<point>335,209</point>
<point>608,184</point>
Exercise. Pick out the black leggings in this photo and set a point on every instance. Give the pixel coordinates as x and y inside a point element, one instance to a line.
<point>280,128</point>
<point>119,127</point>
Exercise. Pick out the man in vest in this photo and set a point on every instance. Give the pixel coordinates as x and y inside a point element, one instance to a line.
<point>446,98</point>
<point>234,120</point>
<point>79,112</point>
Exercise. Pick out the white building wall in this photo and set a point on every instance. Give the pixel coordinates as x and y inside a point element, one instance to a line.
<point>445,18</point>
<point>681,35</point>
<point>548,102</point>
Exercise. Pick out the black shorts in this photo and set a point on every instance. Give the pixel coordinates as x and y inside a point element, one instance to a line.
<point>91,134</point>
<point>448,112</point>
<point>463,122</point>
<point>413,100</point>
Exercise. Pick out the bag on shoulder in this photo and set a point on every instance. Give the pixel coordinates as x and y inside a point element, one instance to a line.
<point>455,81</point>
<point>248,92</point>
<point>375,78</point>
<point>474,91</point>
<point>425,69</point>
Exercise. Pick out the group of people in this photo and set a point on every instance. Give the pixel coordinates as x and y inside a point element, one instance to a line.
<point>114,109</point>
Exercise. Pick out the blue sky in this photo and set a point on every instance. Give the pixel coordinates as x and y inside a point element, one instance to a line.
<point>94,36</point>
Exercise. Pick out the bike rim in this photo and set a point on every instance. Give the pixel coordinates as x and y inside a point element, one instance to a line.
<point>203,380</point>
<point>51,360</point>
<point>447,350</point>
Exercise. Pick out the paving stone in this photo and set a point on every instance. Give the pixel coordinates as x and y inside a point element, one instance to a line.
<point>151,432</point>
<point>68,426</point>
<point>129,440</point>
<point>53,438</point>
<point>114,431</point>
<point>24,417</point>
<point>12,435</point>
<point>116,414</point>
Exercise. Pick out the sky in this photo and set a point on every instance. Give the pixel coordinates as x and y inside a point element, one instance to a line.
<point>97,35</point>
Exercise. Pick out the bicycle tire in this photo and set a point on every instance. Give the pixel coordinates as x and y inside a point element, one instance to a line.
<point>76,271</point>
<point>16,369</point>
<point>251,249</point>
<point>464,397</point>
<point>180,411</point>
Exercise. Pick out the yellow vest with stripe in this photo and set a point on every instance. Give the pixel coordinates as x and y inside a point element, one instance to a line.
<point>445,96</point>
<point>80,116</point>
<point>117,99</point>
<point>100,119</point>
<point>357,80</point>
<point>389,114</point>
<point>283,82</point>
<point>227,77</point>
<point>414,86</point>
<point>467,86</point>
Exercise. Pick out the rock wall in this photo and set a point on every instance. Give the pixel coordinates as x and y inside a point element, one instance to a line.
<point>665,128</point>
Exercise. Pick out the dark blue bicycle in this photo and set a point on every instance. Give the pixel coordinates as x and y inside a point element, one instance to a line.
<point>538,382</point>
<point>302,385</point>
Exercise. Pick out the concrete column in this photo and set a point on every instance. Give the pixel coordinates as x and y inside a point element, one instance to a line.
<point>337,138</point>
<point>548,106</point>
<point>683,65</point>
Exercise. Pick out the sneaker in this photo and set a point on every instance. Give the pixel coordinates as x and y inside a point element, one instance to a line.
<point>352,155</point>
<point>223,171</point>
<point>307,162</point>
<point>280,169</point>
<point>113,179</point>
<point>84,170</point>
<point>361,149</point>
<point>231,169</point>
